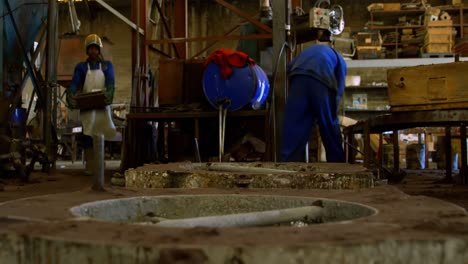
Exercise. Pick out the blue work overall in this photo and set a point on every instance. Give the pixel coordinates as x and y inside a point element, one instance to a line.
<point>316,86</point>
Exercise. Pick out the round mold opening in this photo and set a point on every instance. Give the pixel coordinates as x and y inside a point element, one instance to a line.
<point>144,210</point>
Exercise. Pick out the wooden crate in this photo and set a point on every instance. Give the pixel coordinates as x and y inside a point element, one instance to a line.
<point>440,23</point>
<point>439,30</point>
<point>437,48</point>
<point>391,6</point>
<point>91,100</point>
<point>437,86</point>
<point>438,38</point>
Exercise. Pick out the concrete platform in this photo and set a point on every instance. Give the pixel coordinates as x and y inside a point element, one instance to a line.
<point>251,175</point>
<point>405,229</point>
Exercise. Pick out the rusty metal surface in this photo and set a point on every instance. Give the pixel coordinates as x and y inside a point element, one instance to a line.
<point>403,120</point>
<point>181,26</point>
<point>171,83</point>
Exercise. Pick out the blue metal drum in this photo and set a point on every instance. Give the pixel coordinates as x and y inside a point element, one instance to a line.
<point>246,86</point>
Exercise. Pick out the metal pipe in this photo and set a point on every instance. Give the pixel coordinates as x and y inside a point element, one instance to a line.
<point>51,74</point>
<point>98,173</point>
<point>197,151</point>
<point>263,218</point>
<point>122,17</point>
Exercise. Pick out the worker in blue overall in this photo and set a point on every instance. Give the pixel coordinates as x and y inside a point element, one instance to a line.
<point>94,74</point>
<point>317,77</point>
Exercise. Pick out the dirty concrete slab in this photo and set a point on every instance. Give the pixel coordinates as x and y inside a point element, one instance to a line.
<point>251,175</point>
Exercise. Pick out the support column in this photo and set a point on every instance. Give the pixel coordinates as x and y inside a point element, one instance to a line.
<point>448,153</point>
<point>180,26</point>
<point>281,18</point>
<point>98,168</point>
<point>51,76</point>
<point>463,154</point>
<point>367,148</point>
<point>396,151</point>
<point>139,48</point>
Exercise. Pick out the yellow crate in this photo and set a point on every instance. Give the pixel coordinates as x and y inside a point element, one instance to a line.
<point>440,23</point>
<point>439,30</point>
<point>438,48</point>
<point>391,6</point>
<point>438,38</point>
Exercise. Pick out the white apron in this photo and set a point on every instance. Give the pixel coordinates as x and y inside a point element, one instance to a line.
<point>99,121</point>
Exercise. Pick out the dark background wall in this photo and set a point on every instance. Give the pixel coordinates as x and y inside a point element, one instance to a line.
<point>206,18</point>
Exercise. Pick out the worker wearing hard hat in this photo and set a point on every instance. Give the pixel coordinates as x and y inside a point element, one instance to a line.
<point>316,78</point>
<point>94,74</point>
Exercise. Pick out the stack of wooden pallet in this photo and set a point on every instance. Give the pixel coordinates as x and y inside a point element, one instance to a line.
<point>439,37</point>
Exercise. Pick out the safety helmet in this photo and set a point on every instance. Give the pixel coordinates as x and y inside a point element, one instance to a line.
<point>93,39</point>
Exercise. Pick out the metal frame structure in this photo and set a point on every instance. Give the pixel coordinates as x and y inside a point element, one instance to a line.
<point>404,120</point>
<point>279,34</point>
<point>177,40</point>
<point>43,88</point>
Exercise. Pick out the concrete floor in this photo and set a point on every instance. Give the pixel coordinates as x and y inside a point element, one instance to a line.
<point>411,227</point>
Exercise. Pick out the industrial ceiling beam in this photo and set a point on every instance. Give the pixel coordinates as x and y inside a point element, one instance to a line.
<point>122,17</point>
<point>211,44</point>
<point>160,52</point>
<point>166,27</point>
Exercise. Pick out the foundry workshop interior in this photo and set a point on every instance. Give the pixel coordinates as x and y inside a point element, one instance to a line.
<point>185,131</point>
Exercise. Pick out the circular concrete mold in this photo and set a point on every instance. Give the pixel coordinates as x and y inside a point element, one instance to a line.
<point>145,209</point>
<point>251,175</point>
<point>406,229</point>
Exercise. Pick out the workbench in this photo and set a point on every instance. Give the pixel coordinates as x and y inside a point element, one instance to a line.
<point>396,121</point>
<point>134,153</point>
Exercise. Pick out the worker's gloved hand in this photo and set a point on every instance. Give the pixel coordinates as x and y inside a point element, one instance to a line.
<point>109,96</point>
<point>71,101</point>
